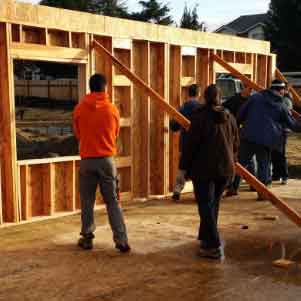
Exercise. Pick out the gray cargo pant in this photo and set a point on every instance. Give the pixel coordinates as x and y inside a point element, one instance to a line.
<point>102,172</point>
<point>180,181</point>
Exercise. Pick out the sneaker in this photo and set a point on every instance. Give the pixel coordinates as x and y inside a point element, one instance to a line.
<point>123,248</point>
<point>284,181</point>
<point>230,193</point>
<point>215,253</point>
<point>85,243</point>
<point>176,196</point>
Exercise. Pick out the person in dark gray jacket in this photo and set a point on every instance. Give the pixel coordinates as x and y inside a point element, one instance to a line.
<point>264,118</point>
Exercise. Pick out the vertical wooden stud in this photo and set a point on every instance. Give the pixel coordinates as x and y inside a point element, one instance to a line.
<point>175,100</point>
<point>7,128</point>
<point>141,122</point>
<point>159,127</point>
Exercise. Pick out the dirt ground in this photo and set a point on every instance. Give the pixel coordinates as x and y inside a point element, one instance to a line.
<point>42,262</point>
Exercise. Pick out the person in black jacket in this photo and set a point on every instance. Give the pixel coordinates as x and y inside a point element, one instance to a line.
<point>209,154</point>
<point>186,109</point>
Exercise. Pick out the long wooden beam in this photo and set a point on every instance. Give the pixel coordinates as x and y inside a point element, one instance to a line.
<point>260,188</point>
<point>292,214</point>
<point>296,96</point>
<point>243,78</point>
<point>143,86</point>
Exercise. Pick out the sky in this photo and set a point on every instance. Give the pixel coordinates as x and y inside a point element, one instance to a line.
<point>214,13</point>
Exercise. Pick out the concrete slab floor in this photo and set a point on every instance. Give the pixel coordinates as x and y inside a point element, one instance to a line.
<point>41,261</point>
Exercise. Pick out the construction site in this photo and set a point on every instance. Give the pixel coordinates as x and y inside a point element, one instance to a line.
<point>149,69</point>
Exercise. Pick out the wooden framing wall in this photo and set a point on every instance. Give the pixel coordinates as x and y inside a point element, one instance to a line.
<point>167,58</point>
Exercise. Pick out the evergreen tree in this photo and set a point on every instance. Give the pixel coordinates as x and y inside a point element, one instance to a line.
<point>153,11</point>
<point>81,5</point>
<point>190,19</point>
<point>283,30</point>
<point>113,8</point>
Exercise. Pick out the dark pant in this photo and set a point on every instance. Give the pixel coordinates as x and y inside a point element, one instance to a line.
<point>279,163</point>
<point>208,194</point>
<point>263,157</point>
<point>102,172</point>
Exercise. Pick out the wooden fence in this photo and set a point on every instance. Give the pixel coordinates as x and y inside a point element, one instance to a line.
<point>61,89</point>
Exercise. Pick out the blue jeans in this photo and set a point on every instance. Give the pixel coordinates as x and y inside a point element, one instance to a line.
<point>279,162</point>
<point>208,194</point>
<point>263,157</point>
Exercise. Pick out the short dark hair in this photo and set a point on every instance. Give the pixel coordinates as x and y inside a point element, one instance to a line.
<point>212,95</point>
<point>194,90</point>
<point>97,83</point>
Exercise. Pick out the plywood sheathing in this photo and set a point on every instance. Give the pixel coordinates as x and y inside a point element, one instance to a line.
<point>53,18</point>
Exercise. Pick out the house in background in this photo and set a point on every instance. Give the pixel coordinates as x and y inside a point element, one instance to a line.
<point>248,26</point>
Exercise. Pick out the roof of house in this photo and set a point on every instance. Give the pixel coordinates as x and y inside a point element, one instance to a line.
<point>244,23</point>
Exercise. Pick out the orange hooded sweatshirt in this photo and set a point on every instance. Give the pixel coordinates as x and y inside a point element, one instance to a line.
<point>96,126</point>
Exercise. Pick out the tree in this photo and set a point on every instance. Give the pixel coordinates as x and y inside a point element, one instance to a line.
<point>153,11</point>
<point>113,8</point>
<point>190,19</point>
<point>81,5</point>
<point>283,30</point>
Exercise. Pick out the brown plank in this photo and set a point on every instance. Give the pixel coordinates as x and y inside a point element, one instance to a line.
<point>141,122</point>
<point>292,214</point>
<point>159,133</point>
<point>64,187</point>
<point>1,211</point>
<point>48,189</point>
<point>175,101</point>
<point>203,62</point>
<point>7,129</point>
<point>26,212</point>
<point>262,70</point>
<point>102,65</point>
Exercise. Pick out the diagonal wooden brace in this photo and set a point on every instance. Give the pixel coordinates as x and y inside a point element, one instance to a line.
<point>243,78</point>
<point>260,188</point>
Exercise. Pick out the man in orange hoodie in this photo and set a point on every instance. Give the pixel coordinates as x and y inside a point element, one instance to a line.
<point>96,126</point>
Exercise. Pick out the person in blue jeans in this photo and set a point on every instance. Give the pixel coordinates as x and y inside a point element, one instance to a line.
<point>208,157</point>
<point>264,118</point>
<point>190,105</point>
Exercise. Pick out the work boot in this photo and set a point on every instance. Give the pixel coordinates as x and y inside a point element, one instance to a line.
<point>214,253</point>
<point>123,248</point>
<point>176,197</point>
<point>86,243</point>
<point>231,192</point>
<point>284,181</point>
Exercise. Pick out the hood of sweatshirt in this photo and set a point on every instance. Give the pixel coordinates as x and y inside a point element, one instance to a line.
<point>95,101</point>
<point>219,114</point>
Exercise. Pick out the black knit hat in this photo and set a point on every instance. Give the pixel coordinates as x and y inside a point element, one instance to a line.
<point>278,84</point>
